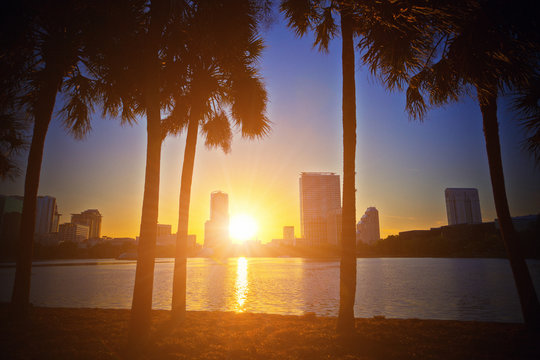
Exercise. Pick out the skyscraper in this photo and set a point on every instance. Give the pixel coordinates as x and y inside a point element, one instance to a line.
<point>47,216</point>
<point>320,199</point>
<point>462,206</point>
<point>367,229</point>
<point>90,218</point>
<point>216,230</point>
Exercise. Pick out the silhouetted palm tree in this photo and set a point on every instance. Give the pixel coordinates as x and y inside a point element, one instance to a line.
<point>14,50</point>
<point>484,46</point>
<point>132,68</point>
<point>12,141</point>
<point>321,17</point>
<point>145,90</point>
<point>221,84</point>
<point>527,104</point>
<point>52,55</point>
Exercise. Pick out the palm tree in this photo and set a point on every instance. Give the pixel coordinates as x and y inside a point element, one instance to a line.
<point>131,68</point>
<point>484,46</point>
<point>148,90</point>
<point>11,142</point>
<point>52,58</point>
<point>320,17</point>
<point>527,104</point>
<point>221,85</point>
<point>14,50</point>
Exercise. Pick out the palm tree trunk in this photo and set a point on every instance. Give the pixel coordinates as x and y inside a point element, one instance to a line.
<point>42,117</point>
<point>347,278</point>
<point>527,295</point>
<point>179,281</point>
<point>141,308</point>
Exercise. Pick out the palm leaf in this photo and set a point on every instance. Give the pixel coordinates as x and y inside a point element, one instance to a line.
<point>217,130</point>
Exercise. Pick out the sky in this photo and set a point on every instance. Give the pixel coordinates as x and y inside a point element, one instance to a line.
<point>402,166</point>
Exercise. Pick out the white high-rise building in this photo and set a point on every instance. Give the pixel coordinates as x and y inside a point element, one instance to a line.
<point>462,206</point>
<point>367,229</point>
<point>47,216</point>
<point>320,203</point>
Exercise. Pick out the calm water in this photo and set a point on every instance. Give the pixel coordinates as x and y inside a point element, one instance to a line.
<point>461,289</point>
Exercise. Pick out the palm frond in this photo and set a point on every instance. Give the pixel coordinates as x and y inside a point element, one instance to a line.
<point>527,104</point>
<point>299,15</point>
<point>249,106</point>
<point>12,141</point>
<point>81,95</point>
<point>325,30</point>
<point>217,131</point>
<point>178,119</point>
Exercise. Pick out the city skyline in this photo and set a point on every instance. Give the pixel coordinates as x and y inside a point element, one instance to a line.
<point>402,167</point>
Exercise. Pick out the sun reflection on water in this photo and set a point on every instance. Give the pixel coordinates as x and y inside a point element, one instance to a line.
<point>241,285</point>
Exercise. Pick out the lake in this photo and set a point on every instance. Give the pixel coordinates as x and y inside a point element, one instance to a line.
<point>425,288</point>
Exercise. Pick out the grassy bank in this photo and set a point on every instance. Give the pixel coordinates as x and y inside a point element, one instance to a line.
<point>52,333</point>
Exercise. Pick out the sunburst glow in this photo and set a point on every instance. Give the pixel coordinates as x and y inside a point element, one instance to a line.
<point>242,227</point>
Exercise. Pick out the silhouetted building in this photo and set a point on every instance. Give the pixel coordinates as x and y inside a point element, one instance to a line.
<point>90,218</point>
<point>71,232</point>
<point>9,205</point>
<point>164,229</point>
<point>462,206</point>
<point>367,229</point>
<point>288,235</point>
<point>47,216</point>
<point>10,223</point>
<point>320,199</point>
<point>216,230</point>
<point>523,223</point>
<point>165,236</point>
<point>191,241</point>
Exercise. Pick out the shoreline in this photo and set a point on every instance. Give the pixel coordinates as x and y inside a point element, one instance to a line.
<point>67,333</point>
<point>96,260</point>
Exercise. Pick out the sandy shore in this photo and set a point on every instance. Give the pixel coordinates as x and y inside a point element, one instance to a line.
<point>52,333</point>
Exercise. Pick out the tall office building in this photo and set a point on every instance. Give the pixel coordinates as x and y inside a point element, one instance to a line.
<point>367,229</point>
<point>320,202</point>
<point>462,206</point>
<point>47,216</point>
<point>216,230</point>
<point>90,218</point>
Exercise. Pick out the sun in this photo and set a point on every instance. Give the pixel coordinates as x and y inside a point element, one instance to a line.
<point>242,227</point>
